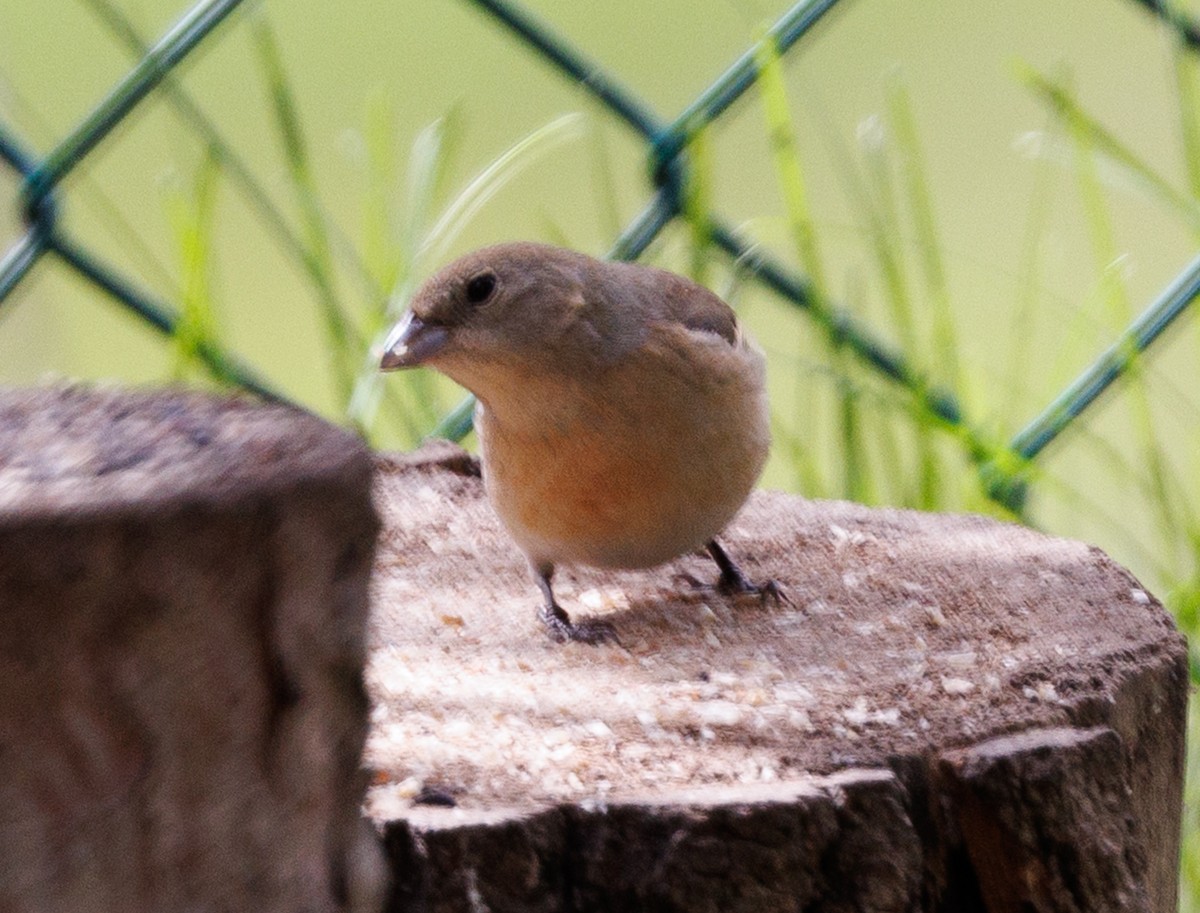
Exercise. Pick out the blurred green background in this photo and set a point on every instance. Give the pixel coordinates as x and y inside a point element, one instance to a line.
<point>1045,236</point>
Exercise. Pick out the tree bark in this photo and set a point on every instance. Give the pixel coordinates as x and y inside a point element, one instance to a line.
<point>183,583</point>
<point>956,715</point>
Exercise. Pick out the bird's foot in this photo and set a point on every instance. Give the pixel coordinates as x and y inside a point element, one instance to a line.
<point>562,630</point>
<point>691,580</point>
<point>737,584</point>
<point>733,582</point>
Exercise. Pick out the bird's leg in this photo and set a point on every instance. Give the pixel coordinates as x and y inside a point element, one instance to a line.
<point>734,582</point>
<point>559,625</point>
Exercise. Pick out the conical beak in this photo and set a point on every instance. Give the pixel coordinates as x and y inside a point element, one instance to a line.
<point>412,342</point>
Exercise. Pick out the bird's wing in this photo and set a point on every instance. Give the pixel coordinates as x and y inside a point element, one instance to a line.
<point>653,305</point>
<point>696,308</point>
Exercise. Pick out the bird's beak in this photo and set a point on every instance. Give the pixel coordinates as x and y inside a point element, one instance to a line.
<point>412,342</point>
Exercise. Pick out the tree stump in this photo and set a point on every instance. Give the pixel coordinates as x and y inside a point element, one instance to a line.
<point>956,714</point>
<point>183,594</point>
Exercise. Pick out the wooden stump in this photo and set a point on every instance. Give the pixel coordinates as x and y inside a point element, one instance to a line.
<point>183,595</point>
<point>957,714</point>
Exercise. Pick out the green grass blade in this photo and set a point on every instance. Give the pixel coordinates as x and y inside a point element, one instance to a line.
<point>873,195</point>
<point>91,194</point>
<point>1188,94</point>
<point>429,245</point>
<point>318,259</point>
<point>789,168</point>
<point>856,481</point>
<point>428,185</point>
<point>903,128</point>
<point>790,179</point>
<point>456,425</point>
<point>800,457</point>
<point>193,217</point>
<point>1061,100</point>
<point>604,181</point>
<point>413,392</point>
<point>237,172</point>
<point>697,205</point>
<point>491,180</point>
<point>1084,133</point>
<point>878,200</point>
<point>378,242</point>
<point>1037,223</point>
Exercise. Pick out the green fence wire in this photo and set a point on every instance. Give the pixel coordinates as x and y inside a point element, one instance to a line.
<point>1001,464</point>
<point>40,179</point>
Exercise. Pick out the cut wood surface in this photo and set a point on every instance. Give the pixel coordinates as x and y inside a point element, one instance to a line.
<point>955,713</point>
<point>183,602</point>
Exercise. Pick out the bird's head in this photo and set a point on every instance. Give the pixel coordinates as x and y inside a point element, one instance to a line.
<point>512,305</point>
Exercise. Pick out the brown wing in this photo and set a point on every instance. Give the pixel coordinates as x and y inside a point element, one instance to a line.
<point>665,296</point>
<point>699,309</point>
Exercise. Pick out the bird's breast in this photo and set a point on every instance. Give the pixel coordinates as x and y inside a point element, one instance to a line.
<point>628,469</point>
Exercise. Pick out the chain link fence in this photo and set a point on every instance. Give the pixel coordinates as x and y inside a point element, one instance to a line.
<point>1002,464</point>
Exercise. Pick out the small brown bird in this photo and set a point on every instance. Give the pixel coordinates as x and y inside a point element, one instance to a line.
<point>621,411</point>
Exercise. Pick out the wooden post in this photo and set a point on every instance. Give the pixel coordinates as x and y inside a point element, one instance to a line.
<point>183,597</point>
<point>957,714</point>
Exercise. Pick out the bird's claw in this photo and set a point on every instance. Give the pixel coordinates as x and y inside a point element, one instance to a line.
<point>733,582</point>
<point>738,585</point>
<point>691,580</point>
<point>562,630</point>
<point>768,590</point>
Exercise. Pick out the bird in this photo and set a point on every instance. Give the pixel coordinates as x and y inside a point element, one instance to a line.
<point>621,409</point>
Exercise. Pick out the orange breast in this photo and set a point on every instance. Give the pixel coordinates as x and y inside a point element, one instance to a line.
<point>632,468</point>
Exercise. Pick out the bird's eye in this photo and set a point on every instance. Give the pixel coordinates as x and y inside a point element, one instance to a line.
<point>480,288</point>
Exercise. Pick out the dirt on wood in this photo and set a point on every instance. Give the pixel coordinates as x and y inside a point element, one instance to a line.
<point>909,633</point>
